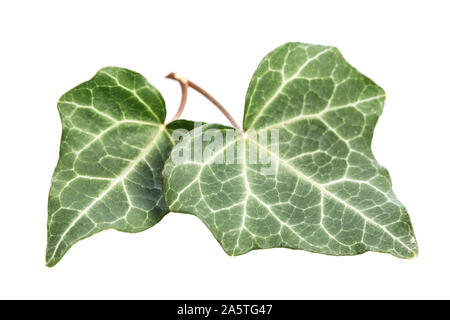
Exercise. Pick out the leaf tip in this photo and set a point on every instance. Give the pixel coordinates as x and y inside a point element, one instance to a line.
<point>51,259</point>
<point>49,264</point>
<point>415,255</point>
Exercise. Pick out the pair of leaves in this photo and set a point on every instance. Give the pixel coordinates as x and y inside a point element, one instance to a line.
<point>327,194</point>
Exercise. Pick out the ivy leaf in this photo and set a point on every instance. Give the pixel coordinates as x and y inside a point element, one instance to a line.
<point>113,147</point>
<point>327,193</point>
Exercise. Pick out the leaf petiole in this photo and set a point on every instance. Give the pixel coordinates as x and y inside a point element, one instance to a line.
<point>184,83</point>
<point>187,83</point>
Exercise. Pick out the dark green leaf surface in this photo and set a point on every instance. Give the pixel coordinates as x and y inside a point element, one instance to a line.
<point>113,147</point>
<point>328,194</point>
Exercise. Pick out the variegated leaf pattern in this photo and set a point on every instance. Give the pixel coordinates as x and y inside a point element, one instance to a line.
<point>328,194</point>
<point>113,147</point>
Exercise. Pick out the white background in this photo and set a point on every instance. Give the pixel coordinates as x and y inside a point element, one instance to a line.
<point>48,47</point>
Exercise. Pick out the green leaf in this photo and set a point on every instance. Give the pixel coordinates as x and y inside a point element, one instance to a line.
<point>113,147</point>
<point>327,193</point>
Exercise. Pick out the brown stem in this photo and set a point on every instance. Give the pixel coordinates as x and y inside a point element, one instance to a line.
<point>191,84</point>
<point>184,91</point>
